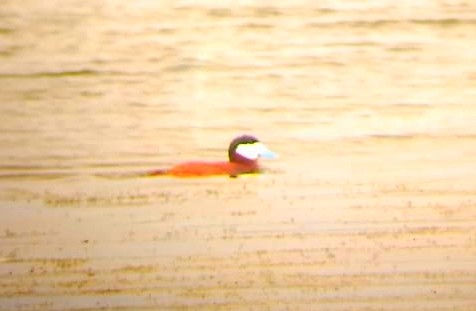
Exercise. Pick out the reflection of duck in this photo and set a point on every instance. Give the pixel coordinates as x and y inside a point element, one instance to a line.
<point>243,154</point>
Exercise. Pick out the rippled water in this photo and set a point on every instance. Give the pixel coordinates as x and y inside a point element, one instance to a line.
<point>371,105</point>
<point>117,85</point>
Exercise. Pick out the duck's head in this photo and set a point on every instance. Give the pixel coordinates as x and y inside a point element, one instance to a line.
<point>247,149</point>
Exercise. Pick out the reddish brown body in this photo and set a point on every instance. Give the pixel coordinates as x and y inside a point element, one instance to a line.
<point>200,169</point>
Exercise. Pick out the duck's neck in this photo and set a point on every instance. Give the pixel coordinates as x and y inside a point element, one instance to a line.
<point>243,167</point>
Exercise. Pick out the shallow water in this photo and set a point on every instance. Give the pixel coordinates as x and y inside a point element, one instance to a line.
<point>371,106</point>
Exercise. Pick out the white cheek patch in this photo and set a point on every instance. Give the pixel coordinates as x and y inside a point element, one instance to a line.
<point>254,151</point>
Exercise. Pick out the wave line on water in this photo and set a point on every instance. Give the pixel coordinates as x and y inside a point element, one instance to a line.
<point>72,73</point>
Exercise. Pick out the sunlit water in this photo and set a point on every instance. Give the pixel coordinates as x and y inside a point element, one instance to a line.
<point>370,104</point>
<point>95,85</point>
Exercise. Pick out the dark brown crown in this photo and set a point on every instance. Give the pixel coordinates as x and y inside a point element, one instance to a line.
<point>243,139</point>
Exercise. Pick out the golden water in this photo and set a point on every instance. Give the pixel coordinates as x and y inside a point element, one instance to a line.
<point>370,104</point>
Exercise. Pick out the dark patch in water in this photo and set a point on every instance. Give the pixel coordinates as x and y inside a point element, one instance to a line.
<point>393,136</point>
<point>71,73</point>
<point>258,26</point>
<point>122,175</point>
<point>6,31</point>
<point>267,12</point>
<point>219,12</point>
<point>444,21</point>
<point>30,176</point>
<point>395,22</point>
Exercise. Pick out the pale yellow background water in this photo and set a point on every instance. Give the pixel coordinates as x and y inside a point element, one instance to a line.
<point>370,104</point>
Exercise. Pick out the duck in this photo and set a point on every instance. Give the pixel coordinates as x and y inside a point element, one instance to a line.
<point>244,152</point>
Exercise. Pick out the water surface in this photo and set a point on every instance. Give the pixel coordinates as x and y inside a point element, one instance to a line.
<point>371,106</point>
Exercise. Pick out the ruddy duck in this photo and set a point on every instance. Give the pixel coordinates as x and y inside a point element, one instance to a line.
<point>243,154</point>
